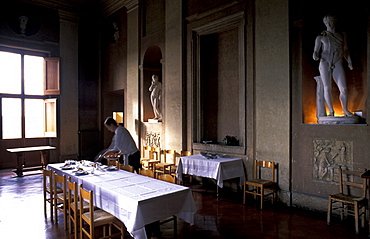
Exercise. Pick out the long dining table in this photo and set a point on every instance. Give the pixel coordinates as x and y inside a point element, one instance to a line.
<point>134,199</point>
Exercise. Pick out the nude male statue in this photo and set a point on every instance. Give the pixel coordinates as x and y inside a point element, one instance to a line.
<point>333,46</point>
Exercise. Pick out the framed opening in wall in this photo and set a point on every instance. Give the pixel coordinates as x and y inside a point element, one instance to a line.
<point>219,79</point>
<point>27,112</point>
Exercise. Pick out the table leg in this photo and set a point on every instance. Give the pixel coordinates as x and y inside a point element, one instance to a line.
<point>368,206</point>
<point>218,192</point>
<point>20,162</point>
<point>44,159</point>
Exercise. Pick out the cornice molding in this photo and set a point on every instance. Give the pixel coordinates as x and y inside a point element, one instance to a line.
<point>108,7</point>
<point>131,5</point>
<point>68,16</point>
<point>69,5</point>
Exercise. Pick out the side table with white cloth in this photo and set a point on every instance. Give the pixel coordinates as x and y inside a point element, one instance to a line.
<point>134,199</point>
<point>219,169</point>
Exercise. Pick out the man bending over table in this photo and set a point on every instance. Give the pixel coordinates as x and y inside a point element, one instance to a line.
<point>123,143</point>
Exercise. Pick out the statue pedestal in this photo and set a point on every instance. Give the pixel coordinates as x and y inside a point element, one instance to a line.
<point>154,120</point>
<point>338,120</point>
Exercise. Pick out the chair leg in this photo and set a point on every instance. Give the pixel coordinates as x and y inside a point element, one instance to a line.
<point>73,223</point>
<point>356,218</point>
<point>175,226</point>
<point>329,211</point>
<point>56,212</point>
<point>363,216</point>
<point>65,217</point>
<point>273,197</point>
<point>45,205</point>
<point>262,196</point>
<point>244,192</point>
<point>70,224</point>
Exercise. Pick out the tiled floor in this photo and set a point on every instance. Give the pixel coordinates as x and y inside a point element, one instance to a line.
<point>21,216</point>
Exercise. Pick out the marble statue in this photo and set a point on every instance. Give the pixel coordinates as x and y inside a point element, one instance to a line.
<point>156,97</point>
<point>333,48</point>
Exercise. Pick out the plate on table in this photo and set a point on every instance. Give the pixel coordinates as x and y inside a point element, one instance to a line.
<point>112,168</point>
<point>67,167</point>
<point>221,156</point>
<point>81,172</point>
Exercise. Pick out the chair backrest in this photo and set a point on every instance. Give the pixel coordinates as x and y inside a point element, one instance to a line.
<point>87,197</point>
<point>61,182</point>
<point>47,176</point>
<point>156,153</point>
<point>169,155</point>
<point>72,192</point>
<point>182,153</point>
<point>147,152</point>
<point>112,162</point>
<point>185,153</point>
<point>351,182</point>
<point>259,171</point>
<point>147,172</point>
<point>127,167</point>
<point>167,178</point>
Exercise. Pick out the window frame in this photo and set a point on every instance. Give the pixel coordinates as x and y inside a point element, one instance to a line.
<point>51,94</point>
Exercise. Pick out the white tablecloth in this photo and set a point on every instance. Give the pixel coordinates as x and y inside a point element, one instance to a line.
<point>135,199</point>
<point>220,169</point>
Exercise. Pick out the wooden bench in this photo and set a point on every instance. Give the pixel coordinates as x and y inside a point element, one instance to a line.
<point>21,161</point>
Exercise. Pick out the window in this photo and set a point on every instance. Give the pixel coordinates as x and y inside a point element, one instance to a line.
<point>29,84</point>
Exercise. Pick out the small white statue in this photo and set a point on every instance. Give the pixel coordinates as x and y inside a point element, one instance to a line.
<point>333,46</point>
<point>156,97</point>
<point>116,31</point>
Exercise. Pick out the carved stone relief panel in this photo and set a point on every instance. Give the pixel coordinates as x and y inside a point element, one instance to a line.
<point>328,154</point>
<point>153,139</point>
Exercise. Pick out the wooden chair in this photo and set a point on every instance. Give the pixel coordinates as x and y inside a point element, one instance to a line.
<point>147,155</point>
<point>48,191</point>
<point>72,207</point>
<point>171,179</point>
<point>167,178</point>
<point>126,167</point>
<point>261,186</point>
<point>91,218</point>
<point>173,168</point>
<point>112,162</point>
<point>165,167</point>
<point>351,197</point>
<point>60,198</point>
<point>154,157</point>
<point>146,172</point>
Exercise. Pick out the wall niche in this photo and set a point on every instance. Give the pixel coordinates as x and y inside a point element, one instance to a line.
<point>219,79</point>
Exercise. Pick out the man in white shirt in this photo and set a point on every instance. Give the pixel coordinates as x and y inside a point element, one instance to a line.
<point>123,143</point>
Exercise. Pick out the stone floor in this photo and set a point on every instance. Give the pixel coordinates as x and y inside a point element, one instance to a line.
<point>21,216</point>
